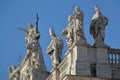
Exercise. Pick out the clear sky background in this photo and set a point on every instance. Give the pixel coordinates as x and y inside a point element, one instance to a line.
<point>18,13</point>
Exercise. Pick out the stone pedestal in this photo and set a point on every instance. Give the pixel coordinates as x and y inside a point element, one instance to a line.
<point>80,64</point>
<point>102,65</point>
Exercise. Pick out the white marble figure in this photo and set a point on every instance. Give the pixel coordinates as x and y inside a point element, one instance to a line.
<point>31,33</point>
<point>32,44</point>
<point>74,32</point>
<point>55,48</point>
<point>97,27</point>
<point>32,36</point>
<point>34,47</point>
<point>78,18</point>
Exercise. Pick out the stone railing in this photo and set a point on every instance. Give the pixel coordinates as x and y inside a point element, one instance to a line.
<point>114,56</point>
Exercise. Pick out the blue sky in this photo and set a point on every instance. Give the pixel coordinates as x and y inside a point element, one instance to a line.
<point>18,13</point>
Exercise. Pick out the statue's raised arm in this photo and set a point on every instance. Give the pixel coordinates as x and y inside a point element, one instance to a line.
<point>24,30</point>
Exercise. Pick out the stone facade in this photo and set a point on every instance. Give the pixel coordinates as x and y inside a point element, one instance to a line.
<point>82,61</point>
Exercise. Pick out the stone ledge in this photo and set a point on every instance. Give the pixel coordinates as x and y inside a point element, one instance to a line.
<point>77,77</point>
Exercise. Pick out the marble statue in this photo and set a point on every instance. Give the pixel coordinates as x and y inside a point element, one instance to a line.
<point>32,32</point>
<point>32,36</point>
<point>32,67</point>
<point>97,27</point>
<point>78,17</point>
<point>74,32</point>
<point>32,44</point>
<point>55,48</point>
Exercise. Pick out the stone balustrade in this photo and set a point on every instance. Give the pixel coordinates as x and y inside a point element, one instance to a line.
<point>114,56</point>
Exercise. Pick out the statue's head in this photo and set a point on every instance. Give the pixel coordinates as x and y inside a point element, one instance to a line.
<point>77,9</point>
<point>70,17</point>
<point>52,33</point>
<point>30,25</point>
<point>97,8</point>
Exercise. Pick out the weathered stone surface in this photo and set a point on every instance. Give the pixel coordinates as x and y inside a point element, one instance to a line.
<point>76,77</point>
<point>74,32</point>
<point>82,61</point>
<point>55,49</point>
<point>32,67</point>
<point>97,27</point>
